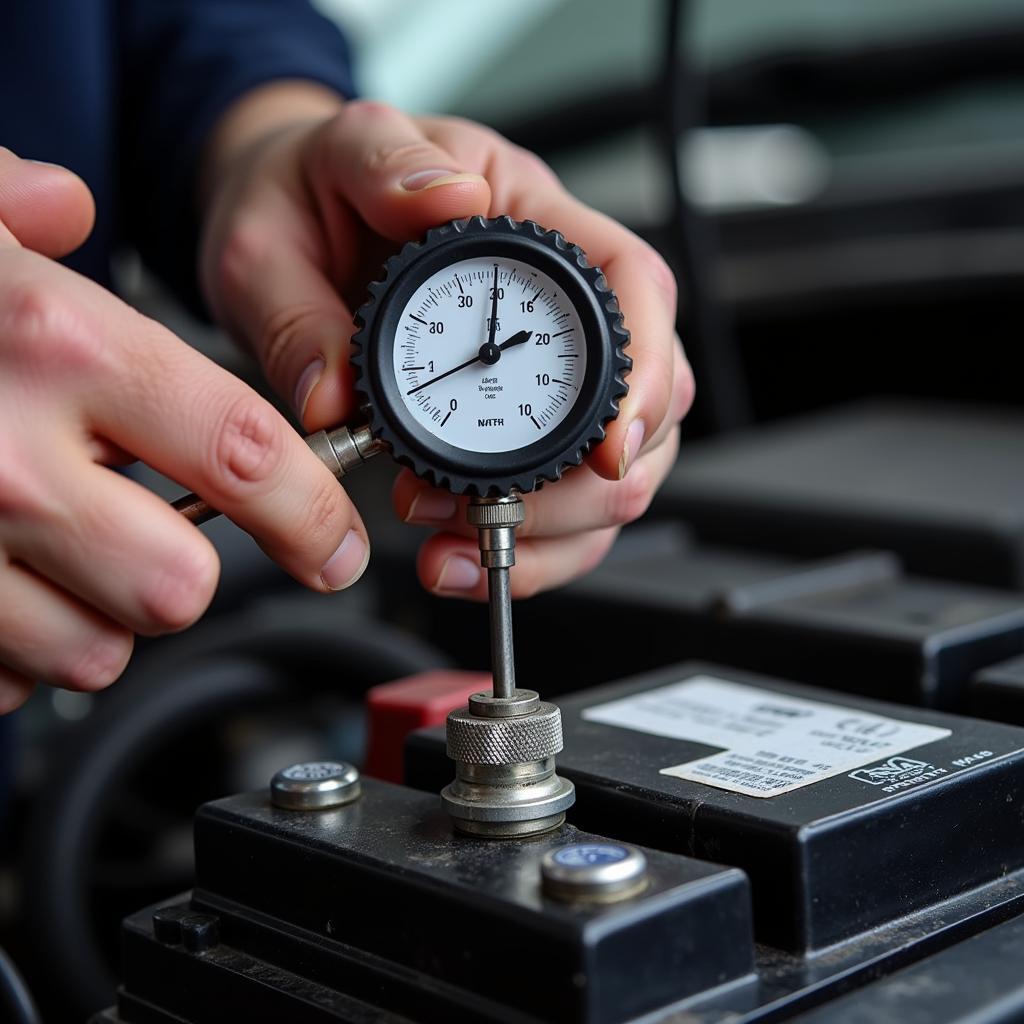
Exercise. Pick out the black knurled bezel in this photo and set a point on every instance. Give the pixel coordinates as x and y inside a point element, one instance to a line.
<point>484,473</point>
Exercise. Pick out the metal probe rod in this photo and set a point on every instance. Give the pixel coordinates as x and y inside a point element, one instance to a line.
<point>495,520</point>
<point>503,662</point>
<point>341,450</point>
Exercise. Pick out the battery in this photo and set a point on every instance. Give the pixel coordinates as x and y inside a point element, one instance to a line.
<point>846,813</point>
<point>939,484</point>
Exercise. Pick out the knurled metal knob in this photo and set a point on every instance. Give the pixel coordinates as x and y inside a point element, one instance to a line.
<point>498,514</point>
<point>476,740</point>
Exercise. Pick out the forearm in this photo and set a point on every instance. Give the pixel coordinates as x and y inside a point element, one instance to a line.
<point>256,116</point>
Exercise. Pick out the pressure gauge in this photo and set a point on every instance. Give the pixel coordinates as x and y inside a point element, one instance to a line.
<point>490,357</point>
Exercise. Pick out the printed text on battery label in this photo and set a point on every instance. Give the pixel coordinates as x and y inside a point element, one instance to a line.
<point>773,743</point>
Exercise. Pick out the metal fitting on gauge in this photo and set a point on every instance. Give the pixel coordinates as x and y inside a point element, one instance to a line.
<point>341,450</point>
<point>504,751</point>
<point>495,520</point>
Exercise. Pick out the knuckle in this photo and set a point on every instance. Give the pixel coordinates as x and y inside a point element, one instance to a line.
<point>179,594</point>
<point>326,516</point>
<point>358,116</point>
<point>32,310</point>
<point>385,158</point>
<point>247,447</point>
<point>41,325</point>
<point>99,663</point>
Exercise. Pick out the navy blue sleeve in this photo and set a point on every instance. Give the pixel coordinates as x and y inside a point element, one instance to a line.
<point>183,63</point>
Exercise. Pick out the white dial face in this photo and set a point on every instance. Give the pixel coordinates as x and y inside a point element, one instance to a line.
<point>488,386</point>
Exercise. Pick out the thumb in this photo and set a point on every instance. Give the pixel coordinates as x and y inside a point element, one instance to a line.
<point>44,207</point>
<point>398,181</point>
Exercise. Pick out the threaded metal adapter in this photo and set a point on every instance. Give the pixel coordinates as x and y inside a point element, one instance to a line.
<point>505,781</point>
<point>473,739</point>
<point>501,513</point>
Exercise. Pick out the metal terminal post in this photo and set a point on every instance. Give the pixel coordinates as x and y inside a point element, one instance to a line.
<point>341,450</point>
<point>504,742</point>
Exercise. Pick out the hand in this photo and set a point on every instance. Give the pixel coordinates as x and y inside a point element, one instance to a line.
<point>302,213</point>
<point>87,557</point>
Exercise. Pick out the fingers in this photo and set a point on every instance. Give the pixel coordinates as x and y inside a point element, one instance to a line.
<point>96,367</point>
<point>680,401</point>
<point>647,296</point>
<point>526,189</point>
<point>46,634</point>
<point>119,549</point>
<point>397,179</point>
<point>273,259</point>
<point>15,689</point>
<point>204,428</point>
<point>46,208</point>
<point>450,566</point>
<point>272,291</point>
<point>581,501</point>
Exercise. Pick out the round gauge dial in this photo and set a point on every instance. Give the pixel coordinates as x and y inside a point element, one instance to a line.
<point>490,354</point>
<point>490,357</point>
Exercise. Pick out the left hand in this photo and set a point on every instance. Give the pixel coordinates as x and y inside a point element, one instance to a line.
<point>299,220</point>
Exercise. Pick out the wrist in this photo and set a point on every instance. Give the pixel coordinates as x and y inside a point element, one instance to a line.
<point>255,117</point>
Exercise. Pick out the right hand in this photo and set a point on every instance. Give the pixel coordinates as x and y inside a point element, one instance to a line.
<point>87,557</point>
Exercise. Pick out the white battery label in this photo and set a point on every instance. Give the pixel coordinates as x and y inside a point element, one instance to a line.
<point>772,743</point>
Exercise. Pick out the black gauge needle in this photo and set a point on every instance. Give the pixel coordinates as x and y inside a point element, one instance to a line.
<point>494,308</point>
<point>521,338</point>
<point>489,354</point>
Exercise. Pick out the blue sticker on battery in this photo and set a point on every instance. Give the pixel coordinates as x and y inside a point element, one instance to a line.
<point>583,855</point>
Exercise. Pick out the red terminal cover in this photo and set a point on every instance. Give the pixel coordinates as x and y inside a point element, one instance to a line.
<point>397,709</point>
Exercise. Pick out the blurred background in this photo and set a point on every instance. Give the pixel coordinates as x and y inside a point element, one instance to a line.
<point>839,187</point>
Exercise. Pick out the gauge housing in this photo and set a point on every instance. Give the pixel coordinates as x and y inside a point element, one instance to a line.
<point>602,388</point>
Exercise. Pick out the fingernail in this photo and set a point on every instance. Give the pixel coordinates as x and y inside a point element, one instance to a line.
<point>347,564</point>
<point>431,507</point>
<point>432,178</point>
<point>631,449</point>
<point>458,575</point>
<point>307,381</point>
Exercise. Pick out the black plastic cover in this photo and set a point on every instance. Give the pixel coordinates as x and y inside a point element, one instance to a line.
<point>379,904</point>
